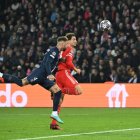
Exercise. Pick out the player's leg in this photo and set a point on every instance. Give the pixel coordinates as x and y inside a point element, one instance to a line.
<point>72,89</point>
<point>7,78</point>
<point>71,85</point>
<point>68,82</point>
<point>54,125</point>
<point>53,88</point>
<point>34,78</point>
<point>25,81</point>
<point>57,96</point>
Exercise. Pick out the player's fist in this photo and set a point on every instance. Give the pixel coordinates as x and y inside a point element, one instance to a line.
<point>78,71</point>
<point>51,77</point>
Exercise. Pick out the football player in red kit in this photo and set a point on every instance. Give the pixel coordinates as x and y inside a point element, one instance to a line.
<point>64,79</point>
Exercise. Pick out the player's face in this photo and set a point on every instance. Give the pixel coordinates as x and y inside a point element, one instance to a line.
<point>73,41</point>
<point>62,44</point>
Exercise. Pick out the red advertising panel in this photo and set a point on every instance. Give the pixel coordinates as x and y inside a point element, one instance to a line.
<point>94,95</point>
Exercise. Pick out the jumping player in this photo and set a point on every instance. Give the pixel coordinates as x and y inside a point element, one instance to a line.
<point>64,79</point>
<point>43,75</point>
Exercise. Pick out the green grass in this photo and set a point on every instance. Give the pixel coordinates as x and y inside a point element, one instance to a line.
<point>19,123</point>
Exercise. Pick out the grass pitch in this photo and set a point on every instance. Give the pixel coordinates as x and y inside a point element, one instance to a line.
<point>80,124</point>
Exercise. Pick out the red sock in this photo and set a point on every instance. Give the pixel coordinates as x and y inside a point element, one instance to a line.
<point>54,121</point>
<point>1,80</point>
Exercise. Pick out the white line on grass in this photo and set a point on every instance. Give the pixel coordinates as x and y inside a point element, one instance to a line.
<point>78,134</point>
<point>45,114</point>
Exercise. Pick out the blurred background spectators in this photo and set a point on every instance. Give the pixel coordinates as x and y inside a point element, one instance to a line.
<point>29,27</point>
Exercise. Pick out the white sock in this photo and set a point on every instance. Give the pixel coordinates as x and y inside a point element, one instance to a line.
<point>55,113</point>
<point>1,74</point>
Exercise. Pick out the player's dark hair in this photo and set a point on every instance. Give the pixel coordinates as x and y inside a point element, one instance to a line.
<point>70,35</point>
<point>62,38</point>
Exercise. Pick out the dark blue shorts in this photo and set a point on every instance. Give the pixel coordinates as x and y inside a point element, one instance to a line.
<point>37,77</point>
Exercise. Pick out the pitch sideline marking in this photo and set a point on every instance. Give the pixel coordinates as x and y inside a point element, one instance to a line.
<point>78,134</point>
<point>44,114</point>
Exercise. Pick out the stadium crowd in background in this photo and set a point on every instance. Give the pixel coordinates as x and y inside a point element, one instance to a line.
<point>29,27</point>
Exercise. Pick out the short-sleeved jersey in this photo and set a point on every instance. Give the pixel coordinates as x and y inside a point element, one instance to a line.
<point>67,55</point>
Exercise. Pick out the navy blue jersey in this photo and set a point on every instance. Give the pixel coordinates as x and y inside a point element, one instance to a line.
<point>50,61</point>
<point>47,66</point>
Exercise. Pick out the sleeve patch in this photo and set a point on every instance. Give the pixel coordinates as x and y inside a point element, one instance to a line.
<point>48,50</point>
<point>53,53</point>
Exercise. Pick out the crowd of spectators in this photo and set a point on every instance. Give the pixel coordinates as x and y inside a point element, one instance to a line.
<point>29,27</point>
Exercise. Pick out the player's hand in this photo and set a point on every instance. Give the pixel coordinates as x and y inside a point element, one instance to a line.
<point>51,77</point>
<point>78,70</point>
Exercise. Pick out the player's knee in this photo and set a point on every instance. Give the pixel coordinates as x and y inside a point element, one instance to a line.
<point>54,89</point>
<point>79,90</point>
<point>24,82</point>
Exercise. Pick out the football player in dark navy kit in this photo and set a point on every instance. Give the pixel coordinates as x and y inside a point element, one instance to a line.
<point>43,75</point>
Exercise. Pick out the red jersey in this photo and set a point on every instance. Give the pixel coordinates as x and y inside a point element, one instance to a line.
<point>68,56</point>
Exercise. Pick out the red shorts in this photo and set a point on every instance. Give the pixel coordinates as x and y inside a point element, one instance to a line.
<point>64,79</point>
